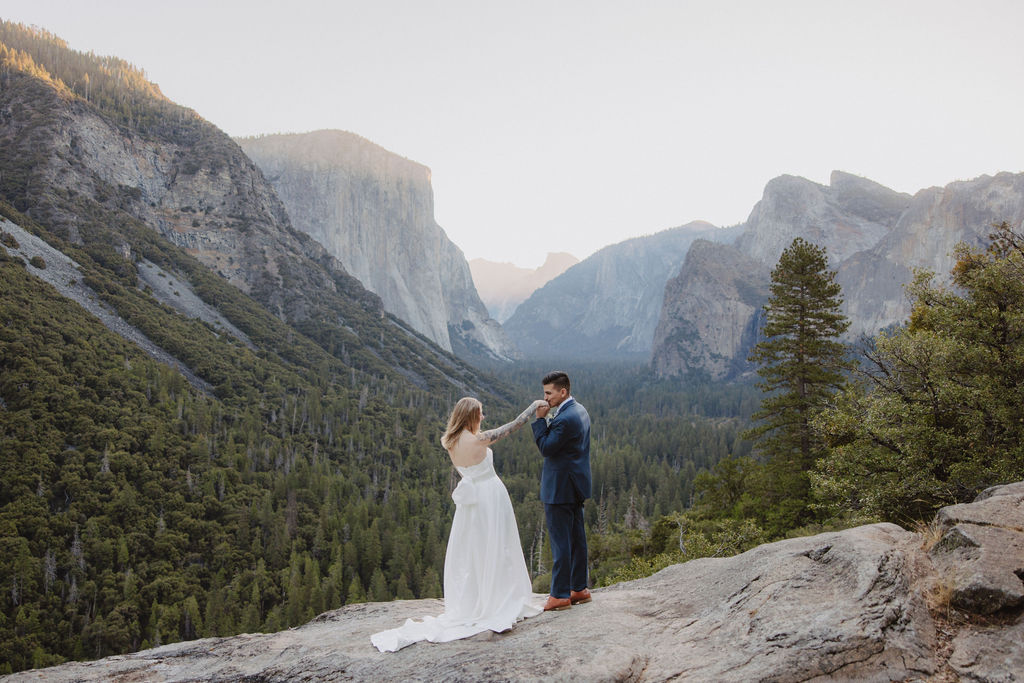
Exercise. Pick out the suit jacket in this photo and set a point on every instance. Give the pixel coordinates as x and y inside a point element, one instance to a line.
<point>565,445</point>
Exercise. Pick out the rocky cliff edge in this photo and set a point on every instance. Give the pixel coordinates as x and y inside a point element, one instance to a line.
<point>874,603</point>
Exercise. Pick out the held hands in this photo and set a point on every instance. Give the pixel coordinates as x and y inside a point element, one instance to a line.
<point>524,416</point>
<point>541,407</point>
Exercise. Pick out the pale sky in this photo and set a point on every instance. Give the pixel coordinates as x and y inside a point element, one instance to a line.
<point>570,125</point>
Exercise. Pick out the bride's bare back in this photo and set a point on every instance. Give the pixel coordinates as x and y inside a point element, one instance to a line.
<point>471,447</point>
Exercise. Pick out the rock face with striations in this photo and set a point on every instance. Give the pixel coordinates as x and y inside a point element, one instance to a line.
<point>875,237</point>
<point>374,211</point>
<point>607,305</point>
<point>847,216</point>
<point>858,605</point>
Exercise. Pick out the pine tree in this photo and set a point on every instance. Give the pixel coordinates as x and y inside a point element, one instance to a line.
<point>801,365</point>
<point>430,584</point>
<point>355,591</point>
<point>378,587</point>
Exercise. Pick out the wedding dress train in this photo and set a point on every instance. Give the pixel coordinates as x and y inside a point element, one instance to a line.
<point>486,583</point>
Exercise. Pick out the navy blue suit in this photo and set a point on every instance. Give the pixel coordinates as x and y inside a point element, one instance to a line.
<point>564,485</point>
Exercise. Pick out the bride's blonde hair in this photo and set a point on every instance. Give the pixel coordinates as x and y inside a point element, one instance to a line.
<point>465,415</point>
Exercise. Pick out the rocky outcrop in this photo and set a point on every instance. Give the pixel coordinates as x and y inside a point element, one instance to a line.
<point>90,179</point>
<point>711,311</point>
<point>979,568</point>
<point>858,605</point>
<point>607,305</point>
<point>188,182</point>
<point>503,286</point>
<point>981,551</point>
<point>875,238</point>
<point>374,212</point>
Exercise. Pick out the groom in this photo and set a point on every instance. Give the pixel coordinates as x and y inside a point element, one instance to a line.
<point>562,433</point>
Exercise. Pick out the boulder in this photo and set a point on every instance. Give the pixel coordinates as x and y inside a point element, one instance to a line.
<point>981,552</point>
<point>989,654</point>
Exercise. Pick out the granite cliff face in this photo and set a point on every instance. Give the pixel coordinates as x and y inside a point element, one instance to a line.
<point>875,238</point>
<point>714,306</point>
<point>849,215</point>
<point>607,305</point>
<point>874,603</point>
<point>503,286</point>
<point>374,212</point>
<point>924,236</point>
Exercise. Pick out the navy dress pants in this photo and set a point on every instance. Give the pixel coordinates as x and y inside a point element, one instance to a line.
<point>568,547</point>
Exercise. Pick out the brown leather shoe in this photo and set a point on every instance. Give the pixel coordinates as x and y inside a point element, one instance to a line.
<point>579,597</point>
<point>556,604</point>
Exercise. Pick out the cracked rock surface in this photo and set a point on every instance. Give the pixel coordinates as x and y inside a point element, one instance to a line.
<point>849,605</point>
<point>981,552</point>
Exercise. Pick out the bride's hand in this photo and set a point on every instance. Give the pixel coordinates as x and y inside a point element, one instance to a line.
<point>540,408</point>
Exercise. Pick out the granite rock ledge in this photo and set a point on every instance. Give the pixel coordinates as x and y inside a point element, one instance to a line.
<point>851,605</point>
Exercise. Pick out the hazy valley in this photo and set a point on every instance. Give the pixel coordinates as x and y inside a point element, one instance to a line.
<point>503,286</point>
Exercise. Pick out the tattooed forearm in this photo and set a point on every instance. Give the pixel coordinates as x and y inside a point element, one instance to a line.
<point>492,435</point>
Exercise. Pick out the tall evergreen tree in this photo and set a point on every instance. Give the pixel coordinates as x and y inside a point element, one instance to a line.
<point>801,364</point>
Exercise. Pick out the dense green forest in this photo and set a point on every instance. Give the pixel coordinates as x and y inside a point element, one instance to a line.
<point>936,413</point>
<point>130,499</point>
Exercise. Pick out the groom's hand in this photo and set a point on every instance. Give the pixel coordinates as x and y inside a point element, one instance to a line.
<point>543,410</point>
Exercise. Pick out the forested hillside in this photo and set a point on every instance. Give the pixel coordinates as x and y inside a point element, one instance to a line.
<point>135,509</point>
<point>926,415</point>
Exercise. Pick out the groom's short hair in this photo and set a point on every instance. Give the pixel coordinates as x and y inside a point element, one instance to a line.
<point>558,378</point>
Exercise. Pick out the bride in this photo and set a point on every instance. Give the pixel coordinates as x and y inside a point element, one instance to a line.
<point>486,584</point>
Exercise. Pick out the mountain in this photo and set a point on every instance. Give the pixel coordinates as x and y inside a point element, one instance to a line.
<point>924,236</point>
<point>117,168</point>
<point>607,305</point>
<point>374,211</point>
<point>875,238</point>
<point>849,215</point>
<point>872,603</point>
<point>503,286</point>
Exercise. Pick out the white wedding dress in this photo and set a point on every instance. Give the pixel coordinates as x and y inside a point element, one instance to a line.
<point>486,584</point>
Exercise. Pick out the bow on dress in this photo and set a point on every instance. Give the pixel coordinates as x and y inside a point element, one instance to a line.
<point>465,493</point>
